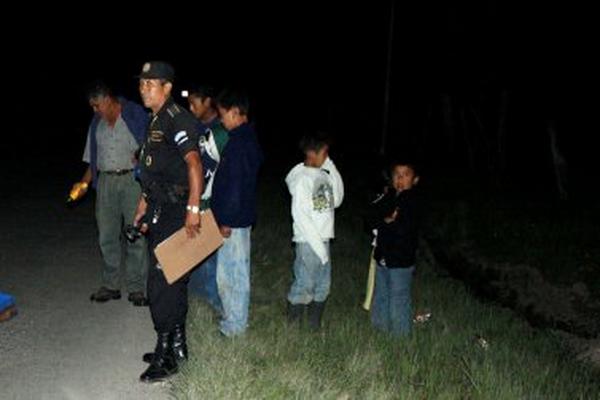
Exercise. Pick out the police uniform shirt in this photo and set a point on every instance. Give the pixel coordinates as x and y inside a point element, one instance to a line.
<point>172,134</point>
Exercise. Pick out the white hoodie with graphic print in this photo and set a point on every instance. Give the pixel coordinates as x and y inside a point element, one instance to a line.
<point>316,192</point>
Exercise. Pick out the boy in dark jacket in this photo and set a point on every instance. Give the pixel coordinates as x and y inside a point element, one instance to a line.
<point>396,219</point>
<point>234,205</point>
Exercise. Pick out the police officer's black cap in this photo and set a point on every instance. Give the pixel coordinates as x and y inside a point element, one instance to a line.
<point>157,70</point>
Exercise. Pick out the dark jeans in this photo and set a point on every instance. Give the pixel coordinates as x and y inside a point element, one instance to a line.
<point>168,303</point>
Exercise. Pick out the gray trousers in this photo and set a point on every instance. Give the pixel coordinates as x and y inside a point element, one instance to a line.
<point>117,197</point>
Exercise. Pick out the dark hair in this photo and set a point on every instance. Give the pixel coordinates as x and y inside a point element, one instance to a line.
<point>404,163</point>
<point>230,98</point>
<point>203,91</point>
<point>98,89</point>
<point>314,141</point>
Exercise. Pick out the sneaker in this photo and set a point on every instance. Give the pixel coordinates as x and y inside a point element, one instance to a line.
<point>138,299</point>
<point>104,294</point>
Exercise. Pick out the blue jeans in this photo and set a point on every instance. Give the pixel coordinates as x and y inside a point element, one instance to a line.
<point>391,311</point>
<point>203,282</point>
<point>312,279</point>
<point>233,281</point>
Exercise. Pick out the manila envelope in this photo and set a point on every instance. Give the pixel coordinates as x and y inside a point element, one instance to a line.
<point>178,254</point>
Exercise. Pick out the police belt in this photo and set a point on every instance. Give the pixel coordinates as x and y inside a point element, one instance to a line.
<point>166,193</point>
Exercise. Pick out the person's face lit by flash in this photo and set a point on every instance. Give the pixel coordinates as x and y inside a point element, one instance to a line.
<point>403,178</point>
<point>154,92</point>
<point>316,158</point>
<point>100,105</point>
<point>198,106</point>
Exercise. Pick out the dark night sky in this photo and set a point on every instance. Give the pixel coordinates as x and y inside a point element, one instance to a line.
<point>305,65</point>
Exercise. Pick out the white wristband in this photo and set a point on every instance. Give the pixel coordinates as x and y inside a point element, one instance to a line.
<point>193,209</point>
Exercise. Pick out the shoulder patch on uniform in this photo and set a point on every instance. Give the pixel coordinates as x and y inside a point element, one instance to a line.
<point>181,137</point>
<point>174,110</point>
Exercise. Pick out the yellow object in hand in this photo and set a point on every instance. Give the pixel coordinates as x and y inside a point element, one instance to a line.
<point>78,190</point>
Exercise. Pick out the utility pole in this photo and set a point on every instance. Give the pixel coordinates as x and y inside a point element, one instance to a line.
<point>388,74</point>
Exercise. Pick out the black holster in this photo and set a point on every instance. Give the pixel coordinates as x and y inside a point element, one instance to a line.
<point>165,193</point>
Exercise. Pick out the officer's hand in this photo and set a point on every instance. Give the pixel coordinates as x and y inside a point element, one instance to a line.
<point>225,231</point>
<point>192,224</point>
<point>140,211</point>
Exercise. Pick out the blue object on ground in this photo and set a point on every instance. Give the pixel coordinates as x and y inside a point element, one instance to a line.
<point>6,301</point>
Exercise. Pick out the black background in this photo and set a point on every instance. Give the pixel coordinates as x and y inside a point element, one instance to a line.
<point>309,65</point>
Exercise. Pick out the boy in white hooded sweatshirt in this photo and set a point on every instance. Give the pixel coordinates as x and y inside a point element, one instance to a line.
<point>317,189</point>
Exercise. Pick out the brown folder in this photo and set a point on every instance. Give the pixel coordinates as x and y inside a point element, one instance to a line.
<point>178,254</point>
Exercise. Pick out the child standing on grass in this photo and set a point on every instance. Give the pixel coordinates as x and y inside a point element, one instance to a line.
<point>233,202</point>
<point>317,189</point>
<point>396,218</point>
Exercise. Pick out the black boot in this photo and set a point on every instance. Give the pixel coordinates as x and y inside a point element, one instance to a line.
<point>147,357</point>
<point>179,346</point>
<point>315,312</point>
<point>163,362</point>
<point>295,313</point>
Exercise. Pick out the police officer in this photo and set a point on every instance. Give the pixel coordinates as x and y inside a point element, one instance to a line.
<point>172,180</point>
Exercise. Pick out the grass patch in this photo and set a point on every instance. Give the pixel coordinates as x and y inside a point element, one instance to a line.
<point>558,239</point>
<point>347,359</point>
